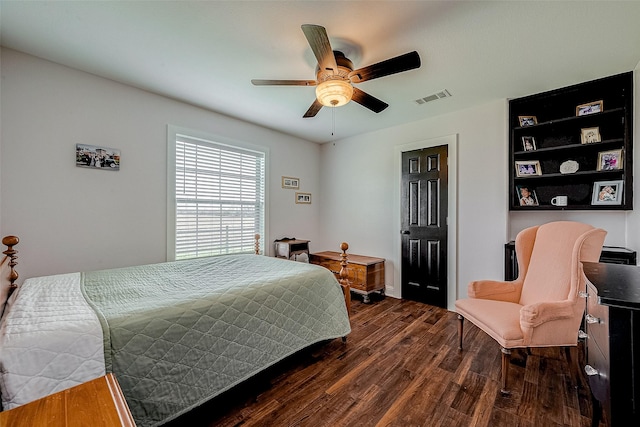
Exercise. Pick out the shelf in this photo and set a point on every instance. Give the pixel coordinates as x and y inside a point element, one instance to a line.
<point>588,117</point>
<point>601,174</point>
<point>557,139</point>
<point>572,147</point>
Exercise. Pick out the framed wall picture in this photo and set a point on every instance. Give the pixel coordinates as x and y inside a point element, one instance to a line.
<point>303,198</point>
<point>590,135</point>
<point>94,157</point>
<point>290,182</point>
<point>527,120</point>
<point>528,143</point>
<point>526,196</point>
<point>610,160</point>
<point>589,108</point>
<point>607,192</point>
<point>528,168</point>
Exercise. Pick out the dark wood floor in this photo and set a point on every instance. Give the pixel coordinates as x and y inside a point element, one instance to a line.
<point>401,367</point>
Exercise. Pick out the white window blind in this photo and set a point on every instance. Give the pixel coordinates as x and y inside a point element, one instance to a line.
<point>220,198</point>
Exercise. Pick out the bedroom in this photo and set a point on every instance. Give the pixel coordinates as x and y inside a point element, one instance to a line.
<point>71,219</point>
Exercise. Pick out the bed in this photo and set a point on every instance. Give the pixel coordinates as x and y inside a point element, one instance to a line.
<point>175,334</point>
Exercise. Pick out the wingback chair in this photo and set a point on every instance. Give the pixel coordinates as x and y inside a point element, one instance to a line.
<point>542,307</point>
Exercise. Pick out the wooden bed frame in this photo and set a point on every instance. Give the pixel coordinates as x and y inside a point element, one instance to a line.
<point>7,268</point>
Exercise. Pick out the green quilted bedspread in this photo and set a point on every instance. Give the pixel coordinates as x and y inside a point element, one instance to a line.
<point>179,333</point>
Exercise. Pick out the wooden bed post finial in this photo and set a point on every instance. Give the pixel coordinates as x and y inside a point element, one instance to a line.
<point>344,281</point>
<point>257,247</point>
<point>10,242</point>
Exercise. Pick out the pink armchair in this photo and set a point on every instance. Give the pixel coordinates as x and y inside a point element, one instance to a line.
<point>542,307</point>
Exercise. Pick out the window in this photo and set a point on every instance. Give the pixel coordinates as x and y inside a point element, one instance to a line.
<point>218,202</point>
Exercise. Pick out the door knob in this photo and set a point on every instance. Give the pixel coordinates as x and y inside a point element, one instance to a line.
<point>404,232</point>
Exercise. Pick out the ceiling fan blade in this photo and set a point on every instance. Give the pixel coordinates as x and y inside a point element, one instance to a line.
<point>368,101</point>
<point>401,63</point>
<point>319,42</point>
<point>313,110</point>
<point>259,82</point>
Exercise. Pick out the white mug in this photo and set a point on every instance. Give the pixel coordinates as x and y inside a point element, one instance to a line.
<point>559,201</point>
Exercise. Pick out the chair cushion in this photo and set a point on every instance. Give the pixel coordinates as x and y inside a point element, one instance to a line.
<point>499,319</point>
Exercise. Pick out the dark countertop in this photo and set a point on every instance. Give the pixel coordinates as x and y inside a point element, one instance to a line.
<point>618,284</point>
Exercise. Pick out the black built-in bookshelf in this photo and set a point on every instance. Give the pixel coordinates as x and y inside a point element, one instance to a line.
<point>558,137</point>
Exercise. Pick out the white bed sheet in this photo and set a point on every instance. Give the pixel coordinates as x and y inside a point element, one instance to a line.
<point>51,341</point>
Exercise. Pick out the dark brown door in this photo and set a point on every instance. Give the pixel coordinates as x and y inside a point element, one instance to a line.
<point>424,225</point>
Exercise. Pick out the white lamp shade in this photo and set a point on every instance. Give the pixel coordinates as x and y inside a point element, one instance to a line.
<point>334,92</point>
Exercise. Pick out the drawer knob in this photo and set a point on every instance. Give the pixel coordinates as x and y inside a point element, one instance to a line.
<point>590,370</point>
<point>583,294</point>
<point>582,334</point>
<point>592,319</point>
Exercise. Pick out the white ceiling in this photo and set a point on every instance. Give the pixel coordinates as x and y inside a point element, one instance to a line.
<point>206,52</point>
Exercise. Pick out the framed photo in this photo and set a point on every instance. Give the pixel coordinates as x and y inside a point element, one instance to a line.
<point>610,160</point>
<point>590,135</point>
<point>590,108</point>
<point>527,120</point>
<point>303,198</point>
<point>607,193</point>
<point>528,168</point>
<point>91,156</point>
<point>526,196</point>
<point>528,143</point>
<point>290,182</point>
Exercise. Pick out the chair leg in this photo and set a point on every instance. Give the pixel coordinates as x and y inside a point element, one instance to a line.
<point>506,357</point>
<point>460,324</point>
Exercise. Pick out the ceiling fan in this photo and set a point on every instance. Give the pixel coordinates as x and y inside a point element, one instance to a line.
<point>335,75</point>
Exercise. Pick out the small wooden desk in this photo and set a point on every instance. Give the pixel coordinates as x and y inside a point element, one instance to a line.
<point>96,403</point>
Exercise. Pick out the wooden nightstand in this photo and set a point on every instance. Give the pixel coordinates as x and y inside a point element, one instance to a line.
<point>364,273</point>
<point>96,403</point>
<point>291,248</point>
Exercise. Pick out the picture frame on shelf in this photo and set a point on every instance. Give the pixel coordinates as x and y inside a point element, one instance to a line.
<point>527,120</point>
<point>590,135</point>
<point>529,143</point>
<point>526,196</point>
<point>303,198</point>
<point>607,192</point>
<point>290,182</point>
<point>528,168</point>
<point>610,160</point>
<point>590,108</point>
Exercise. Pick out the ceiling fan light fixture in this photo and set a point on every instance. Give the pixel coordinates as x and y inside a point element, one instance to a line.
<point>334,92</point>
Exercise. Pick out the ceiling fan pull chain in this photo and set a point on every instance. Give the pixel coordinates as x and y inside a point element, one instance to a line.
<point>333,121</point>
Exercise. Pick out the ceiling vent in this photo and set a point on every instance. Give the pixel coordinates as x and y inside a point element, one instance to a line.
<point>442,94</point>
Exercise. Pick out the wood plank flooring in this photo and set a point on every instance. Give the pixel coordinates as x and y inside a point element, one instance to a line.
<point>400,366</point>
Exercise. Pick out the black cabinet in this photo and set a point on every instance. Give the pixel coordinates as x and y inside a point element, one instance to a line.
<point>613,342</point>
<point>609,254</point>
<point>575,142</point>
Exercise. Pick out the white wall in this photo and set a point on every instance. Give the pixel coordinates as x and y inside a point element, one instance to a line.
<point>72,219</point>
<point>358,177</point>
<point>76,219</point>
<point>357,190</point>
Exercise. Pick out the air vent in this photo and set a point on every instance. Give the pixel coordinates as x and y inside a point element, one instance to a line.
<point>442,94</point>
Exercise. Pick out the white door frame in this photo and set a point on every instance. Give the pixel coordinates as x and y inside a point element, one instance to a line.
<point>451,141</point>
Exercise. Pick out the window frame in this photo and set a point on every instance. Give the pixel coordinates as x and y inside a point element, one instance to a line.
<point>173,132</point>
